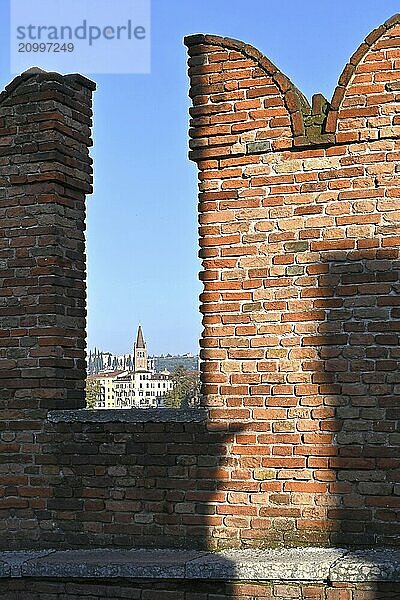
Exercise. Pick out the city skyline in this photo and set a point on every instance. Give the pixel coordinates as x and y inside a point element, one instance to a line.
<point>132,384</point>
<point>126,349</point>
<point>102,359</point>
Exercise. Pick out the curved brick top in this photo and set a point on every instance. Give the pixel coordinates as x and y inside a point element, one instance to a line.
<point>319,124</point>
<point>357,57</point>
<point>295,101</point>
<point>351,68</point>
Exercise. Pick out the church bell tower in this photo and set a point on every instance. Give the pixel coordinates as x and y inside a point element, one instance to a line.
<point>140,351</point>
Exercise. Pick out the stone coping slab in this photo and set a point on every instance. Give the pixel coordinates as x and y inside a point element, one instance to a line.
<point>297,564</point>
<point>130,415</point>
<point>4,569</point>
<point>321,565</point>
<point>157,564</point>
<point>11,562</point>
<point>368,565</point>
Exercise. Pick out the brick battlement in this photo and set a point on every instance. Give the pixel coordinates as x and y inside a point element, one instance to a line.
<point>46,171</point>
<point>231,75</point>
<point>299,206</point>
<point>300,245</point>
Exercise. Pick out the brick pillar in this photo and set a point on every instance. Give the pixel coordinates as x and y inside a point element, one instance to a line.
<point>299,211</point>
<point>46,172</point>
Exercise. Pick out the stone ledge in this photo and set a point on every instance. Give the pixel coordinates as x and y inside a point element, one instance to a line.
<point>130,415</point>
<point>149,564</point>
<point>294,564</point>
<point>321,565</point>
<point>368,565</point>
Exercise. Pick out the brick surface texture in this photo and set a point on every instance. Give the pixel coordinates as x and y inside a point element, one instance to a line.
<point>299,211</point>
<point>45,172</point>
<point>191,590</point>
<point>299,234</point>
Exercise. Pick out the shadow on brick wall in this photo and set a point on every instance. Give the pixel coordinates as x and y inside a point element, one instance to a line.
<point>358,372</point>
<point>184,485</point>
<point>180,484</point>
<point>137,484</point>
<point>140,485</point>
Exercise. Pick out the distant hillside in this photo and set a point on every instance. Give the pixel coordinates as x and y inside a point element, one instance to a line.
<point>170,362</point>
<point>99,361</point>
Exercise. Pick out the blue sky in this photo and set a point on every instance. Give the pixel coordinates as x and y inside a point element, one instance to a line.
<point>142,217</point>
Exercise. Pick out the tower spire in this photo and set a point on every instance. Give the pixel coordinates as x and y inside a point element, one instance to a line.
<point>140,351</point>
<point>139,338</point>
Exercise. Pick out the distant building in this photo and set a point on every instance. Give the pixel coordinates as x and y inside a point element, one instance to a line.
<point>137,386</point>
<point>141,389</point>
<point>105,396</point>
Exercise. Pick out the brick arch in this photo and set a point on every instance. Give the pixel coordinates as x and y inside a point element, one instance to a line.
<point>353,109</point>
<point>209,51</point>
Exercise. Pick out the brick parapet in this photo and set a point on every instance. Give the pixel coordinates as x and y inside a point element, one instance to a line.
<point>150,589</point>
<point>300,247</point>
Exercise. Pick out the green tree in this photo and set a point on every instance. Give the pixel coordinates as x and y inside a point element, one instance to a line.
<point>186,390</point>
<point>92,391</point>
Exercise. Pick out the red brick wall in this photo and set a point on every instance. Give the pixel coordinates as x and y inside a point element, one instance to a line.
<point>299,210</point>
<point>45,172</point>
<point>192,590</point>
<point>134,485</point>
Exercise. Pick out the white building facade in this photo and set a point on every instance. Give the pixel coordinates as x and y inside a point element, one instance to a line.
<point>141,389</point>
